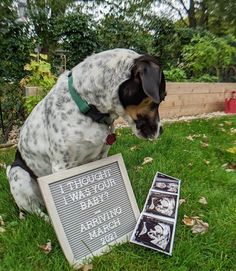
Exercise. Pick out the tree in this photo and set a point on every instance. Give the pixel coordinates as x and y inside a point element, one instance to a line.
<point>207,52</point>
<point>41,15</point>
<point>75,33</point>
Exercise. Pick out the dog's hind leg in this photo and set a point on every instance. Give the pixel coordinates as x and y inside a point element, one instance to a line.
<point>25,191</point>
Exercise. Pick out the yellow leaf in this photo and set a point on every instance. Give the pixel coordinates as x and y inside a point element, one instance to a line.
<point>43,56</point>
<point>27,67</point>
<point>203,200</point>
<point>232,150</point>
<point>46,248</point>
<point>2,223</point>
<point>147,160</point>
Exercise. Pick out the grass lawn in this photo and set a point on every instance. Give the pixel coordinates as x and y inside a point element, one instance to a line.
<point>197,160</point>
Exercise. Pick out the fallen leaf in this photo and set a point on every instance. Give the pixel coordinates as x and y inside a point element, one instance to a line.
<point>204,144</point>
<point>87,267</point>
<point>190,137</point>
<point>2,230</point>
<point>200,227</point>
<point>188,221</point>
<point>2,223</point>
<point>228,122</point>
<point>203,200</point>
<point>47,248</point>
<point>134,148</point>
<point>3,165</point>
<point>147,160</point>
<point>232,150</point>
<point>181,201</point>
<point>233,130</point>
<point>21,215</point>
<point>206,162</point>
<point>229,170</point>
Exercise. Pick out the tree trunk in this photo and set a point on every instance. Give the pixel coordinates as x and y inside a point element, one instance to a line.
<point>192,15</point>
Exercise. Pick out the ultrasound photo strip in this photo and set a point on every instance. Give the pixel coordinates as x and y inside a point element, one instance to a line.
<point>155,228</point>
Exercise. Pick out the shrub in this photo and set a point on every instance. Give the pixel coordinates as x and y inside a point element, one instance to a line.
<point>40,76</point>
<point>11,98</point>
<point>175,75</point>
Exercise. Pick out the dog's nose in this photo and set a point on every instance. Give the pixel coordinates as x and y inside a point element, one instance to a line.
<point>161,130</point>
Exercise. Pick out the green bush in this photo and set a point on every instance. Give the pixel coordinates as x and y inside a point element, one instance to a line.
<point>40,76</point>
<point>11,98</point>
<point>175,75</point>
<point>75,34</point>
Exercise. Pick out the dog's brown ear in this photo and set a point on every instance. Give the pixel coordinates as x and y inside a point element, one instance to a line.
<point>150,76</point>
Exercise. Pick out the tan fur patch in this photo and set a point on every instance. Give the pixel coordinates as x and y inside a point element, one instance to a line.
<point>141,109</point>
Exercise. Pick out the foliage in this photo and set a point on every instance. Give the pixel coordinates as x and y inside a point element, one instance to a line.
<point>206,78</point>
<point>31,102</point>
<point>11,98</point>
<point>75,34</point>
<point>40,76</point>
<point>15,46</point>
<point>41,15</point>
<point>163,37</point>
<point>40,73</point>
<point>175,75</point>
<point>206,52</point>
<point>116,31</point>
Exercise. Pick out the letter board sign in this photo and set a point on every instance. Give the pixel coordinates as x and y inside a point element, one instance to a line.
<point>91,207</point>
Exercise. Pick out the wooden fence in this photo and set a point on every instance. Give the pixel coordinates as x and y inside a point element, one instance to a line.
<point>185,99</point>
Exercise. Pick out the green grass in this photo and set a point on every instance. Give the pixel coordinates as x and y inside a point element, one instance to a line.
<point>174,155</point>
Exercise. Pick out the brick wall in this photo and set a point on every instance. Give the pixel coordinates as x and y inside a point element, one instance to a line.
<point>185,99</point>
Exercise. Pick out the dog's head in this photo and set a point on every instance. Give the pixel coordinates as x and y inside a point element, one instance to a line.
<point>141,96</point>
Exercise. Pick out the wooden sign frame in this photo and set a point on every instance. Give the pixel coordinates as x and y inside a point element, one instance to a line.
<point>60,178</point>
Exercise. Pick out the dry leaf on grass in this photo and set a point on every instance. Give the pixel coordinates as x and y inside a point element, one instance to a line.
<point>232,150</point>
<point>190,137</point>
<point>204,144</point>
<point>203,200</point>
<point>206,162</point>
<point>228,122</point>
<point>181,201</point>
<point>134,148</point>
<point>21,215</point>
<point>2,223</point>
<point>233,130</point>
<point>2,230</point>
<point>189,221</point>
<point>3,165</point>
<point>46,248</point>
<point>147,160</point>
<point>87,267</point>
<point>198,226</point>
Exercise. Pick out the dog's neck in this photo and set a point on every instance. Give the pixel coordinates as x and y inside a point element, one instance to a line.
<point>99,76</point>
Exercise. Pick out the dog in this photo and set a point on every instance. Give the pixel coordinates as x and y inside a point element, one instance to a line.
<point>59,134</point>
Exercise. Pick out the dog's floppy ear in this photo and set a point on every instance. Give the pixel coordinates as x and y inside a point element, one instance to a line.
<point>150,76</point>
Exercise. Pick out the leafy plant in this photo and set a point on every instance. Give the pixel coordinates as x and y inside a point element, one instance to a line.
<point>76,35</point>
<point>40,76</point>
<point>175,75</point>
